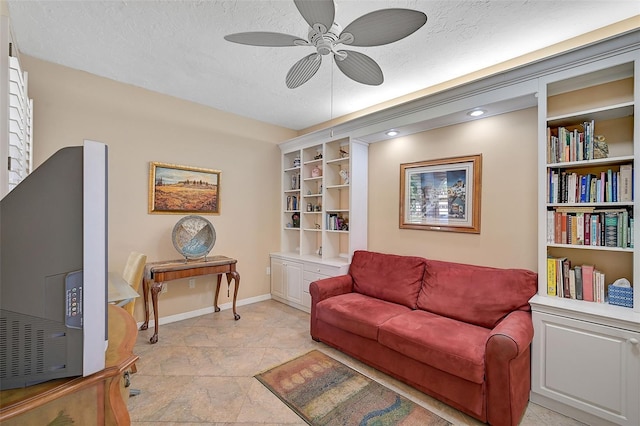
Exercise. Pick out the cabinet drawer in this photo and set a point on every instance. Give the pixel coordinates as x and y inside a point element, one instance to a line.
<point>327,270</point>
<point>310,277</point>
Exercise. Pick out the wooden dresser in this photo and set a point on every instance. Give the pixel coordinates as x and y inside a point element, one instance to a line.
<point>99,399</point>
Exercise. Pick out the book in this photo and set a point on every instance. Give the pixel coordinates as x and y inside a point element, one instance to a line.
<point>578,285</point>
<point>579,228</point>
<point>626,179</point>
<point>611,229</point>
<point>566,266</point>
<point>572,283</point>
<point>587,229</point>
<point>551,276</point>
<point>587,282</point>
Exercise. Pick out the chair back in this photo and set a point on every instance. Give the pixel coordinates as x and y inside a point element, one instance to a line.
<point>133,271</point>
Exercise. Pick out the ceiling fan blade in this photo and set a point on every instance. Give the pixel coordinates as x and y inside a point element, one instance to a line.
<point>359,67</point>
<point>261,38</point>
<point>317,12</point>
<point>384,26</point>
<point>303,70</point>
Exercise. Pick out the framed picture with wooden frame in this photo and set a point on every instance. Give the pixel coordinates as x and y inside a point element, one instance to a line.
<point>441,195</point>
<point>175,189</point>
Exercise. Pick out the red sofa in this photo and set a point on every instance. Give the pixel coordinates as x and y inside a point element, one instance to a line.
<point>460,333</point>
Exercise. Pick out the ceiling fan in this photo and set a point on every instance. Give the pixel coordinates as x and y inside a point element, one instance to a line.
<point>373,29</point>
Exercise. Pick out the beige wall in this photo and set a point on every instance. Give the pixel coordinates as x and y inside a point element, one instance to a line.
<point>508,236</point>
<point>139,127</point>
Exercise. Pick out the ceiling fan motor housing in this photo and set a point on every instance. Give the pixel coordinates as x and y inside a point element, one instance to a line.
<point>324,42</point>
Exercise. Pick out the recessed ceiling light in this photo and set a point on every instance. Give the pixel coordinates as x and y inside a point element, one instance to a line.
<point>392,132</point>
<point>476,112</point>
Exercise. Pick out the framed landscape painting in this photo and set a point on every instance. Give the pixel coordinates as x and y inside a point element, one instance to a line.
<point>182,189</point>
<point>441,195</point>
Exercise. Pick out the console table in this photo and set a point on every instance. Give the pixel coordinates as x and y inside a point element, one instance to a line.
<point>157,273</point>
<point>98,399</point>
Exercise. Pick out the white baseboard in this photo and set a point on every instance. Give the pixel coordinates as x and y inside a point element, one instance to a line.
<point>198,312</point>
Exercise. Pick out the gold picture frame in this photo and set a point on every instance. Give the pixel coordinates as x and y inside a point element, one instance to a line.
<point>175,189</point>
<point>441,195</point>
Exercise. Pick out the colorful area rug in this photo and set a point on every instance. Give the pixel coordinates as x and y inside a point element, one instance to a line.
<point>323,391</point>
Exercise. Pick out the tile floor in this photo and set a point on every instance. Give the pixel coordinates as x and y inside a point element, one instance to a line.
<point>201,371</point>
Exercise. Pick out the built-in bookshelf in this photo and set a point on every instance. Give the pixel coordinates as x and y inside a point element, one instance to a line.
<point>323,215</point>
<point>589,165</point>
<point>588,146</point>
<point>322,188</point>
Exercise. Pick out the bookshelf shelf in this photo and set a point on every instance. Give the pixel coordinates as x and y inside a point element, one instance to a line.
<point>590,247</point>
<point>594,162</point>
<point>599,114</point>
<point>585,113</point>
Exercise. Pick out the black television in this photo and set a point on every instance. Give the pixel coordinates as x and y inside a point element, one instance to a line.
<point>53,269</point>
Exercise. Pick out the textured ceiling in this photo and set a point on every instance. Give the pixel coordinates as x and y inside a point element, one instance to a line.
<point>177,47</point>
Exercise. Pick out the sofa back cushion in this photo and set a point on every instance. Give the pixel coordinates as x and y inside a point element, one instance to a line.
<point>389,277</point>
<point>477,295</point>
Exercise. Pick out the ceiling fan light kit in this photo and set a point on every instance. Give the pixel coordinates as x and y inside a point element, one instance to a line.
<point>373,29</point>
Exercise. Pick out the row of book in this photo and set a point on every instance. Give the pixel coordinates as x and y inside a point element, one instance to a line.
<point>608,186</point>
<point>292,203</point>
<point>565,145</point>
<point>590,226</point>
<point>582,282</point>
<point>335,222</point>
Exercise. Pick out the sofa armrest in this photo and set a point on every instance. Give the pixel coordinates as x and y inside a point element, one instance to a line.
<point>324,289</point>
<point>329,287</point>
<point>508,368</point>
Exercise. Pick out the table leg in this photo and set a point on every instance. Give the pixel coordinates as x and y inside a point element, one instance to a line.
<point>236,278</point>
<point>155,289</point>
<point>215,301</point>
<point>145,294</point>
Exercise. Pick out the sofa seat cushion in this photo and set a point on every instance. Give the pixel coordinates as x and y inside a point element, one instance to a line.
<point>357,313</point>
<point>479,295</point>
<point>388,277</point>
<point>452,346</point>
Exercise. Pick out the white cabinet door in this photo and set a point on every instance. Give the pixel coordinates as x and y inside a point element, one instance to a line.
<point>588,366</point>
<point>286,279</point>
<point>277,277</point>
<point>293,271</point>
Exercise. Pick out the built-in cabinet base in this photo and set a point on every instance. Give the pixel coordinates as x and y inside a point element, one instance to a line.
<point>585,366</point>
<point>292,274</point>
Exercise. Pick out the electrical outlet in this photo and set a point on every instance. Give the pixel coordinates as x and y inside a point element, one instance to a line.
<point>192,283</point>
<point>165,288</point>
<point>268,270</point>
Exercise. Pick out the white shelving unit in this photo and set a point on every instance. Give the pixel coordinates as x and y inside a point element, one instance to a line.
<point>16,110</point>
<point>324,215</point>
<point>585,354</point>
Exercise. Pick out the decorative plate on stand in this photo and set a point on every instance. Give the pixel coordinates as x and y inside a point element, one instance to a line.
<point>193,236</point>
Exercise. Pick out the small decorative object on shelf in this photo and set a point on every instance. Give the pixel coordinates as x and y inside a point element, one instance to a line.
<point>621,293</point>
<point>600,147</point>
<point>309,207</point>
<point>345,176</point>
<point>316,172</point>
<point>295,182</point>
<point>343,153</point>
<point>296,162</point>
<point>318,155</point>
<point>295,219</point>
